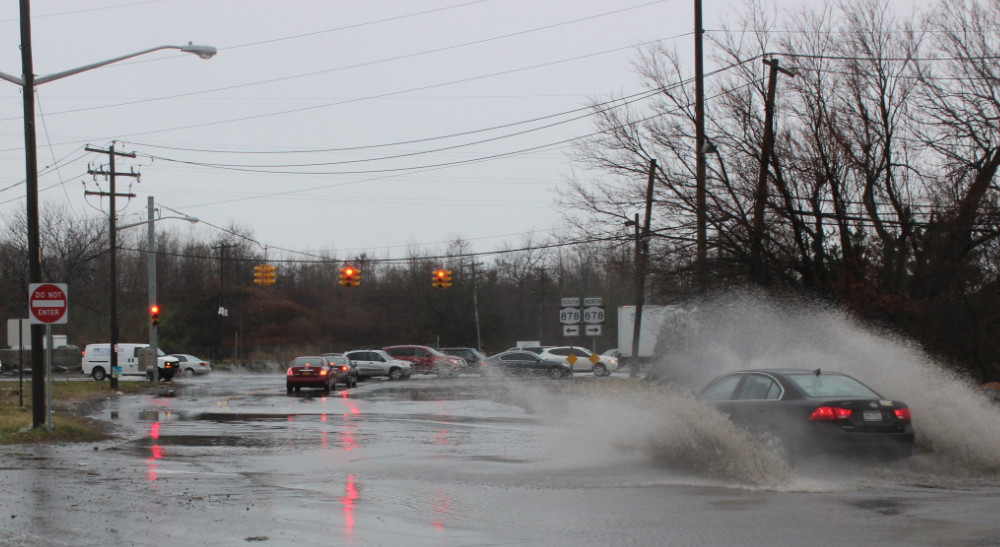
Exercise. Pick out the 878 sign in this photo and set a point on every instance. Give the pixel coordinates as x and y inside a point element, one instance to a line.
<point>594,315</point>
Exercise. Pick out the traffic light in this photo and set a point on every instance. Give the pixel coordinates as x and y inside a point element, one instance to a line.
<point>441,279</point>
<point>263,274</point>
<point>154,315</point>
<point>350,276</point>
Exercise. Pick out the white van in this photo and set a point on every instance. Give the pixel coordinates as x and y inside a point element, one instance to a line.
<point>97,361</point>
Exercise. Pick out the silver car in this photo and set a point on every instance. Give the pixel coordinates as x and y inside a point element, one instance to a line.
<point>375,362</point>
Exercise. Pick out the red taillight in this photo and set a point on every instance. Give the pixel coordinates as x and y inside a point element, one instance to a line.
<point>830,413</point>
<point>289,371</point>
<point>902,414</point>
<point>322,372</point>
<point>343,368</point>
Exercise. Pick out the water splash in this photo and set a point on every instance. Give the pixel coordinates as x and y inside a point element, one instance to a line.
<point>958,428</point>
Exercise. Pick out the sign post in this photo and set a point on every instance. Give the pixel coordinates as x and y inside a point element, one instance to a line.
<point>47,303</point>
<point>569,316</point>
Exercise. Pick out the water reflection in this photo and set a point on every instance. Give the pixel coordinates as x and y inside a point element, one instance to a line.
<point>156,451</point>
<point>441,506</point>
<point>350,494</point>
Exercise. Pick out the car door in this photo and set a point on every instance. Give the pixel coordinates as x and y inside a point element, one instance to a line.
<point>363,360</point>
<point>423,359</point>
<point>520,362</point>
<point>128,359</point>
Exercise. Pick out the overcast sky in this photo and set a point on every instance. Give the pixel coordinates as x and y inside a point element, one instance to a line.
<point>328,126</point>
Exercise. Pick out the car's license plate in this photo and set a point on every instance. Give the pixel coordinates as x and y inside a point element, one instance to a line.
<point>309,373</point>
<point>873,415</point>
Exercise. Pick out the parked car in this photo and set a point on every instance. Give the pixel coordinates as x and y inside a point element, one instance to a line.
<point>97,361</point>
<point>191,365</point>
<point>344,369</point>
<point>427,360</point>
<point>375,362</point>
<point>525,363</point>
<point>805,412</point>
<point>581,359</point>
<point>473,358</point>
<point>312,371</point>
<point>533,349</point>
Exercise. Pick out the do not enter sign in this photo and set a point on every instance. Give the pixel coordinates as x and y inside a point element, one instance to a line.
<point>47,303</point>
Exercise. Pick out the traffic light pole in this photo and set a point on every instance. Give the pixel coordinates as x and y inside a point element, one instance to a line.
<point>151,271</point>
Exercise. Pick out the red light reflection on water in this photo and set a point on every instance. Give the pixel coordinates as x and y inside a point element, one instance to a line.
<point>350,494</point>
<point>441,505</point>
<point>351,407</point>
<point>156,451</point>
<point>442,437</point>
<point>348,441</point>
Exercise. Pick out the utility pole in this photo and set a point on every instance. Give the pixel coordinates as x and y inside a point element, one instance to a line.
<point>475,306</point>
<point>111,174</point>
<point>222,286</point>
<point>757,271</point>
<point>699,146</point>
<point>642,264</point>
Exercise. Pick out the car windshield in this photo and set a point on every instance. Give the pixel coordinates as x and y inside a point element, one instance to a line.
<point>831,385</point>
<point>338,359</point>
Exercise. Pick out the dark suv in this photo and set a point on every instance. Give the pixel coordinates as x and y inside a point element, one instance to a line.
<point>473,358</point>
<point>427,360</point>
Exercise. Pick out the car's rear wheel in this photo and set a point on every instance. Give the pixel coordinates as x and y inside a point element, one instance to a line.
<point>289,388</point>
<point>189,372</point>
<point>556,373</point>
<point>600,370</point>
<point>326,389</point>
<point>99,374</point>
<point>395,373</point>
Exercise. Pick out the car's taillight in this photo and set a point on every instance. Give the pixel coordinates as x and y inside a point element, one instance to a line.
<point>322,372</point>
<point>902,414</point>
<point>343,368</point>
<point>289,371</point>
<point>830,413</point>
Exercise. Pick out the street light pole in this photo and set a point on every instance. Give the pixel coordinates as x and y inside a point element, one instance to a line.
<point>27,81</point>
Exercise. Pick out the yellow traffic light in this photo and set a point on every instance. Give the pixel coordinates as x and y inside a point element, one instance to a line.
<point>441,278</point>
<point>350,276</point>
<point>263,274</point>
<point>154,315</point>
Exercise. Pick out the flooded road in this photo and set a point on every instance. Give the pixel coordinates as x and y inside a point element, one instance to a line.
<point>231,460</point>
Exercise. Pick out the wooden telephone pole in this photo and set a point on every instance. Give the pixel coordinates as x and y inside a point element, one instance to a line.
<point>757,271</point>
<point>111,174</point>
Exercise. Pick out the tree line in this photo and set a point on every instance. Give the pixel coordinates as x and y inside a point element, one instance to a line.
<point>881,190</point>
<point>514,293</point>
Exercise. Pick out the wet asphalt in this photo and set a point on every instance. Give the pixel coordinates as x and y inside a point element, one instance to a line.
<point>231,459</point>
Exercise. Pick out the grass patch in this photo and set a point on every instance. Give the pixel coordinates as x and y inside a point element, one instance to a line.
<point>69,400</point>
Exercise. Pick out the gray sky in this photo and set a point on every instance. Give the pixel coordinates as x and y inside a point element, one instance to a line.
<point>335,127</point>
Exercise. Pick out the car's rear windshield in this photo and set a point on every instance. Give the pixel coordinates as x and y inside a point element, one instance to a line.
<point>831,385</point>
<point>310,361</point>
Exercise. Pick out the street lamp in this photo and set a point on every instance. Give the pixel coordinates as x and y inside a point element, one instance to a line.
<point>27,81</point>
<point>151,271</point>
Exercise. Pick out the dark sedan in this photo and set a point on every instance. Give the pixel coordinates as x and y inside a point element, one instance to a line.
<point>345,371</point>
<point>313,371</point>
<point>525,363</point>
<point>807,412</point>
